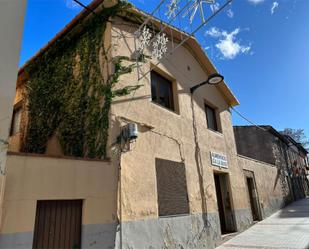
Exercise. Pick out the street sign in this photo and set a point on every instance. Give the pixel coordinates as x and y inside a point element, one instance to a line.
<point>219,160</point>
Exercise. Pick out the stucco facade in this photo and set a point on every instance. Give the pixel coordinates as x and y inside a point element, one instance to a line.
<point>36,177</point>
<point>120,195</point>
<point>170,135</point>
<point>11,29</point>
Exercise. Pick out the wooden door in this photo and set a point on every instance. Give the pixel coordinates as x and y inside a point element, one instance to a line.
<point>220,204</point>
<point>58,224</point>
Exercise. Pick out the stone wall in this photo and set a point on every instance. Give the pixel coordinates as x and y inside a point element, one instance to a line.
<point>254,143</point>
<point>272,188</point>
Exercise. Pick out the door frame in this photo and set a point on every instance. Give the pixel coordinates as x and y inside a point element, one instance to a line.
<point>226,177</point>
<point>250,174</point>
<point>45,208</point>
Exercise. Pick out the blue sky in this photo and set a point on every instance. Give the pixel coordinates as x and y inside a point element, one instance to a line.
<point>260,46</point>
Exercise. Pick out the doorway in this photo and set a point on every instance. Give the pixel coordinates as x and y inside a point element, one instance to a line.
<point>58,224</point>
<point>226,215</point>
<point>253,196</point>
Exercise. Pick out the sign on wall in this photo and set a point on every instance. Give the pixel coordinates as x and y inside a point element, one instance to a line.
<point>219,160</point>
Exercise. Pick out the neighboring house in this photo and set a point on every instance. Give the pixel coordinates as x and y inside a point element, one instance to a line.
<point>76,178</point>
<point>268,145</point>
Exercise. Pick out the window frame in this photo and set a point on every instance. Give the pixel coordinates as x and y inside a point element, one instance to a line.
<point>214,110</point>
<point>17,108</point>
<point>171,96</point>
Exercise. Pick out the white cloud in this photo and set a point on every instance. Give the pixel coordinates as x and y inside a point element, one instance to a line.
<point>214,32</point>
<point>256,1</point>
<point>274,7</point>
<point>228,45</point>
<point>230,13</point>
<point>71,4</point>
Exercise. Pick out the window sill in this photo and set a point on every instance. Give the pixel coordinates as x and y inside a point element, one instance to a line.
<point>165,108</point>
<point>173,216</point>
<point>219,133</point>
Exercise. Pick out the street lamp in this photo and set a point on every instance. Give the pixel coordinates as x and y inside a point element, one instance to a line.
<point>212,79</point>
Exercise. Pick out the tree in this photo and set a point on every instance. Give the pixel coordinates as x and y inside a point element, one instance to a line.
<point>298,135</point>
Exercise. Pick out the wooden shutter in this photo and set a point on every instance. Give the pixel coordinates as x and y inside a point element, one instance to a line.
<point>58,224</point>
<point>172,188</point>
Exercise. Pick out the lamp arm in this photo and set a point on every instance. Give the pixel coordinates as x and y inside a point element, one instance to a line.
<point>193,88</point>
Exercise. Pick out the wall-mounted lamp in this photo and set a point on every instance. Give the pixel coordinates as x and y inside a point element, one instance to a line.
<point>212,79</point>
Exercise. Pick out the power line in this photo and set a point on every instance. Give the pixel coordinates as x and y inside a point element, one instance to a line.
<point>84,6</point>
<point>248,120</point>
<point>178,45</point>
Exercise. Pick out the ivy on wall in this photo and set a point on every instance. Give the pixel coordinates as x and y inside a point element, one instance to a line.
<point>69,94</point>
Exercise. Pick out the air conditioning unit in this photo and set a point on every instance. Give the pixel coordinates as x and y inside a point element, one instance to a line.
<point>130,131</point>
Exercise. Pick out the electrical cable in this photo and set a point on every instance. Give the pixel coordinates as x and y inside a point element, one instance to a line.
<point>90,10</point>
<point>180,44</point>
<point>248,120</point>
<point>257,126</point>
<point>84,6</point>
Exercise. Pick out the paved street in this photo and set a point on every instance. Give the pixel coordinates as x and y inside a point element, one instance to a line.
<point>286,229</point>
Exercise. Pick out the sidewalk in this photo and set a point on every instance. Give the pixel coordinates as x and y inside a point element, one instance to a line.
<point>286,229</point>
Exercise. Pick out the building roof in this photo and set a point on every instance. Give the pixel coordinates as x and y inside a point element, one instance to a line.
<point>191,44</point>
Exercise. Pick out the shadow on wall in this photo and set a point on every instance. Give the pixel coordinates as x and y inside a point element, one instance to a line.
<point>286,191</point>
<point>120,101</point>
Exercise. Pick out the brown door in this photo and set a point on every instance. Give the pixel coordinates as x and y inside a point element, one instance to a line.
<point>58,225</point>
<point>220,204</point>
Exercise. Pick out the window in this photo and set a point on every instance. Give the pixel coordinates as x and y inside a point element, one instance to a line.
<point>162,91</point>
<point>211,118</point>
<point>15,126</point>
<point>171,188</point>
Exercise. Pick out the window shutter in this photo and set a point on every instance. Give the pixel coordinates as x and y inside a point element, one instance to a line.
<point>172,188</point>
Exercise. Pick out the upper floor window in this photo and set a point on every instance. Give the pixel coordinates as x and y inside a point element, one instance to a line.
<point>162,91</point>
<point>16,119</point>
<point>211,118</point>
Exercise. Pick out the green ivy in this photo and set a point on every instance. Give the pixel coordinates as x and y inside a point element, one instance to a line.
<point>68,94</point>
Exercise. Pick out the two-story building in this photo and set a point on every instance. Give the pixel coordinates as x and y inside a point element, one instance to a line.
<point>101,159</point>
